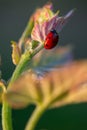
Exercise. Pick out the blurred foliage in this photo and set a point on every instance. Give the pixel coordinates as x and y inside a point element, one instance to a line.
<point>14,15</point>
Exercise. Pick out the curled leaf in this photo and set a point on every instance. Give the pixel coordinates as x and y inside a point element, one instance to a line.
<point>43,26</point>
<point>2,91</point>
<point>67,84</point>
<point>16,53</point>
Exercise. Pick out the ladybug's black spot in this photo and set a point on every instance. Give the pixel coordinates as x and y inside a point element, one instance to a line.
<point>54,31</point>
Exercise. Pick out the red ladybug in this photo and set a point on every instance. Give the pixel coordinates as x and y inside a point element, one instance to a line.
<point>51,40</point>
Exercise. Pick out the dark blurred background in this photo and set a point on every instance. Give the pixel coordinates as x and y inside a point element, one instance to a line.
<point>14,15</point>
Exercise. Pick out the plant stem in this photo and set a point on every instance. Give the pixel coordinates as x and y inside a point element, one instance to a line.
<point>25,58</point>
<point>38,49</point>
<point>6,110</point>
<point>26,32</point>
<point>6,117</point>
<point>39,110</point>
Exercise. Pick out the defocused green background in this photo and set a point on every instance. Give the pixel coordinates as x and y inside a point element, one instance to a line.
<point>14,15</point>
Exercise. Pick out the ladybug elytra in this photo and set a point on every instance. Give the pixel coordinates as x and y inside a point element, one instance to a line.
<point>51,40</point>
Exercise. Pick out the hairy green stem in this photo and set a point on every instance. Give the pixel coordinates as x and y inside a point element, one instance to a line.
<point>6,110</point>
<point>25,58</point>
<point>6,117</point>
<point>39,110</point>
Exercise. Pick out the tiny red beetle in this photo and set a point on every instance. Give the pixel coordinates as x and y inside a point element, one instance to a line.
<point>51,40</point>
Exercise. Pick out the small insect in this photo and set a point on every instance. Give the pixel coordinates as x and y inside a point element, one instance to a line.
<point>51,40</point>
